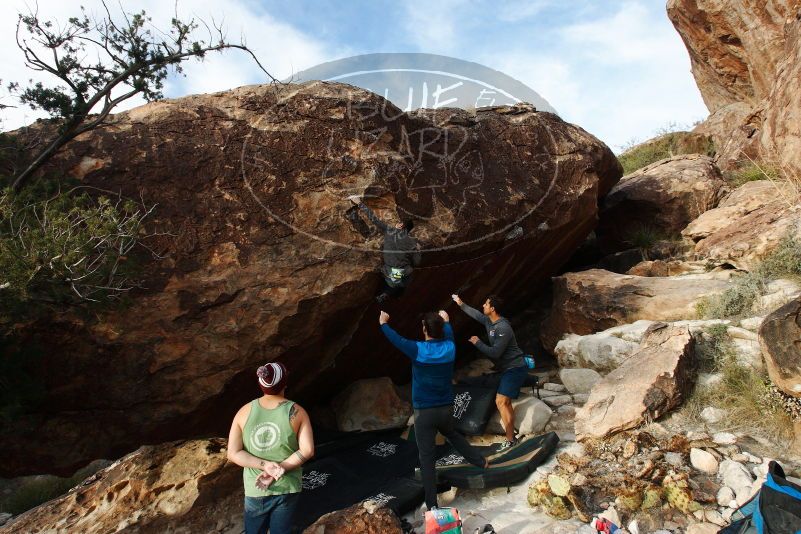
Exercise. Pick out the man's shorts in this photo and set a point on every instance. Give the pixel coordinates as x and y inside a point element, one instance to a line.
<point>512,380</point>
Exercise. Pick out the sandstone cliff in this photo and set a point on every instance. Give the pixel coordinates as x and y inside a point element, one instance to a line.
<point>745,59</point>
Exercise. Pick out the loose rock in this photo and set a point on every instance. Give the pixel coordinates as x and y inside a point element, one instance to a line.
<point>703,461</point>
<point>579,380</point>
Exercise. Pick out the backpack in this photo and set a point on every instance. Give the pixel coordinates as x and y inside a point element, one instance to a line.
<point>443,521</point>
<point>775,509</point>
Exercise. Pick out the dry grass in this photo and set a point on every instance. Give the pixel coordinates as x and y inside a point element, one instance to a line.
<point>744,393</point>
<point>738,300</point>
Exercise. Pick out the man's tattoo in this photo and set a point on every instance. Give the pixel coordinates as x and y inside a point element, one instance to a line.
<point>293,412</point>
<point>300,455</point>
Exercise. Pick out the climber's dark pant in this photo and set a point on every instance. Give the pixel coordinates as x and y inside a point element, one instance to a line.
<point>427,421</point>
<point>392,289</point>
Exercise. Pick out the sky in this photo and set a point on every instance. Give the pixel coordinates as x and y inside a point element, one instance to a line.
<point>617,68</point>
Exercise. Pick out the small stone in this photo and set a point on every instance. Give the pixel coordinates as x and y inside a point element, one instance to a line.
<point>727,513</point>
<point>634,527</point>
<point>724,438</point>
<point>559,400</point>
<point>4,518</point>
<point>629,449</point>
<point>674,458</point>
<point>578,479</point>
<point>702,528</point>
<point>699,515</point>
<point>580,399</point>
<point>712,415</point>
<point>567,410</point>
<point>551,386</point>
<point>725,496</point>
<point>545,393</point>
<point>703,461</point>
<point>753,459</point>
<point>713,516</point>
<point>739,458</point>
<point>692,435</point>
<point>761,471</point>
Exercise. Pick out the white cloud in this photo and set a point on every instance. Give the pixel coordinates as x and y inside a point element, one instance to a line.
<point>432,26</point>
<point>281,48</point>
<point>621,76</point>
<point>629,34</point>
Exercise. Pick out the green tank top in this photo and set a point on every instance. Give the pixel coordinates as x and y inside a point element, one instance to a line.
<point>269,435</point>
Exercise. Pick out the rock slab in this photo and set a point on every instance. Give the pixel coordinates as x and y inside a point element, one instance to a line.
<point>648,385</point>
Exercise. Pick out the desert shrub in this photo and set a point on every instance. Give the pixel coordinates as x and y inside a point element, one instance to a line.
<point>744,393</point>
<point>739,300</point>
<point>666,144</point>
<point>60,247</point>
<point>752,171</point>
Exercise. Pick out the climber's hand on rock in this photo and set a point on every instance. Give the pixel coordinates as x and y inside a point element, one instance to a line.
<point>473,339</point>
<point>356,199</point>
<point>383,318</point>
<point>456,299</point>
<point>444,315</point>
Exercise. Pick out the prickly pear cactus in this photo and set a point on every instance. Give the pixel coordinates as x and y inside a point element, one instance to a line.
<point>559,485</point>
<point>630,500</point>
<point>539,493</point>
<point>678,494</point>
<point>558,509</point>
<point>651,498</point>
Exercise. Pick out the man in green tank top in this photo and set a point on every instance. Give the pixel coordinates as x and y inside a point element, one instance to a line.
<point>271,437</point>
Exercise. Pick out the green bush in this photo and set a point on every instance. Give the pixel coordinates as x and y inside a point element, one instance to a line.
<point>60,248</point>
<point>712,347</point>
<point>738,300</point>
<point>667,144</point>
<point>751,172</point>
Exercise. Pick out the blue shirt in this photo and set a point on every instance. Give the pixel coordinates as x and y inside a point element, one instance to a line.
<point>432,366</point>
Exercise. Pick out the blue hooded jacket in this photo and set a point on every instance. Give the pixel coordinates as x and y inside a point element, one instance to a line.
<point>432,366</point>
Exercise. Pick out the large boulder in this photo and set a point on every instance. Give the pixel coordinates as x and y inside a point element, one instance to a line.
<point>747,225</point>
<point>262,257</point>
<point>745,59</point>
<point>662,197</point>
<point>591,301</point>
<point>645,387</point>
<point>780,339</point>
<point>173,487</point>
<point>371,404</point>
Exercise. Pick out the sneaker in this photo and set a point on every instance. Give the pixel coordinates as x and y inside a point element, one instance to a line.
<point>506,445</point>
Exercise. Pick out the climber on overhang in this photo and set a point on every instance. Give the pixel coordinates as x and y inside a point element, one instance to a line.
<point>400,251</point>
